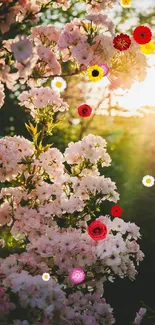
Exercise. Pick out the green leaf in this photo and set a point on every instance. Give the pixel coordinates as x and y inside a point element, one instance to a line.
<point>36,136</point>
<point>48,146</point>
<point>40,147</point>
<point>31,129</point>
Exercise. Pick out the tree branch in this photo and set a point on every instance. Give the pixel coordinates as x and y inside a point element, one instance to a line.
<point>54,75</point>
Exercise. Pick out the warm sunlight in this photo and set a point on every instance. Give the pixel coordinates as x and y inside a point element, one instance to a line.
<point>138,100</point>
<point>141,94</point>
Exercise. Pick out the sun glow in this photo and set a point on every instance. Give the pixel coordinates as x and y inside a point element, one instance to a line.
<point>141,94</point>
<point>137,101</point>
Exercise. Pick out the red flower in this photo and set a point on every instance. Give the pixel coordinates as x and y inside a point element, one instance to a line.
<point>122,42</point>
<point>116,211</point>
<point>97,230</point>
<point>142,34</point>
<point>84,110</point>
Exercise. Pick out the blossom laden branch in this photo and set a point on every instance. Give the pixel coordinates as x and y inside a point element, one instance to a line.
<point>41,55</point>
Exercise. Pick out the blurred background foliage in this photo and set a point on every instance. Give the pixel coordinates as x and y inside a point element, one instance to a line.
<point>130,143</point>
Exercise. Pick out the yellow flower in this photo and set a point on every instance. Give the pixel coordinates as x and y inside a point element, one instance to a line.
<point>89,27</point>
<point>148,48</point>
<point>125,3</point>
<point>95,73</point>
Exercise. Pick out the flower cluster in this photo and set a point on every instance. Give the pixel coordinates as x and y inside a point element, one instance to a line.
<point>16,13</point>
<point>49,299</point>
<point>91,149</point>
<point>87,43</point>
<point>51,303</point>
<point>94,305</point>
<point>6,76</point>
<point>5,305</point>
<point>33,292</point>
<point>42,100</point>
<point>23,9</point>
<point>99,5</point>
<point>49,206</point>
<point>93,6</point>
<point>110,257</point>
<point>69,192</point>
<point>12,151</point>
<point>64,4</point>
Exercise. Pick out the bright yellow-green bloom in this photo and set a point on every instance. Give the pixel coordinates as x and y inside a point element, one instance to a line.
<point>95,73</point>
<point>148,48</point>
<point>125,3</point>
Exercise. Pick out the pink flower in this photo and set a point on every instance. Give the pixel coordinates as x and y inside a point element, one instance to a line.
<point>140,315</point>
<point>83,53</point>
<point>6,76</point>
<point>77,275</point>
<point>5,213</point>
<point>70,35</point>
<point>65,4</point>
<point>45,35</point>
<point>22,49</point>
<point>12,150</point>
<point>49,57</point>
<point>103,20</point>
<point>2,95</point>
<point>96,6</point>
<point>42,97</point>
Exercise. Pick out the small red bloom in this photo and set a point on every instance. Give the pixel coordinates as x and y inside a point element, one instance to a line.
<point>116,211</point>
<point>84,110</point>
<point>97,230</point>
<point>122,42</point>
<point>142,34</point>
